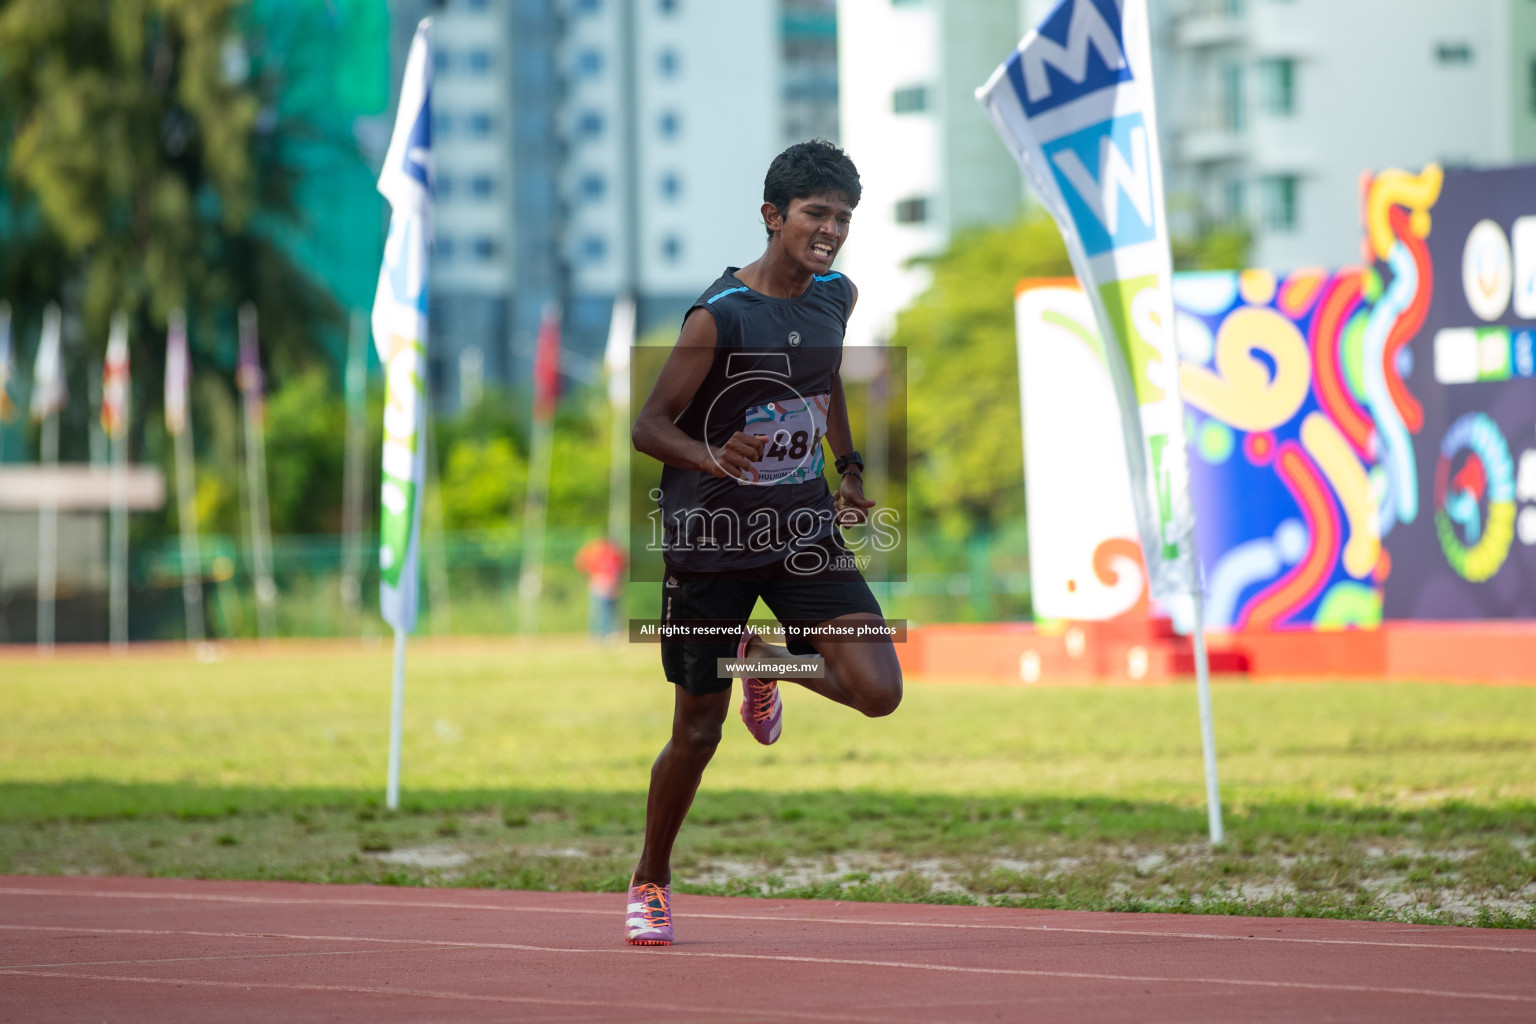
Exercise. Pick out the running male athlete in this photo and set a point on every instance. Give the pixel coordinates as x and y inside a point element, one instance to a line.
<point>737,418</point>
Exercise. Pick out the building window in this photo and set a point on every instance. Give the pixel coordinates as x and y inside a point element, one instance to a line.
<point>479,61</point>
<point>483,185</point>
<point>442,60</point>
<point>911,100</point>
<point>486,248</point>
<point>479,125</point>
<point>668,63</point>
<point>442,124</point>
<point>1234,106</point>
<point>589,63</point>
<point>442,249</point>
<point>592,186</point>
<point>670,124</point>
<point>671,187</point>
<point>589,6</point>
<point>443,186</point>
<point>475,5</point>
<point>1280,195</point>
<point>672,248</point>
<point>667,6</point>
<point>590,124</point>
<point>1277,84</point>
<point>1235,200</point>
<point>912,211</point>
<point>1454,54</point>
<point>593,249</point>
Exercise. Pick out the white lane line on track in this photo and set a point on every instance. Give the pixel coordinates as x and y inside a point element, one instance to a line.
<point>576,911</point>
<point>840,961</point>
<point>431,947</point>
<point>630,1007</point>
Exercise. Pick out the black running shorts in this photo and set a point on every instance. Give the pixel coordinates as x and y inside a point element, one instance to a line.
<point>797,600</point>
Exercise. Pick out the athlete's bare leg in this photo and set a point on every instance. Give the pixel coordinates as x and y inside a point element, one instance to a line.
<point>675,778</point>
<point>862,675</point>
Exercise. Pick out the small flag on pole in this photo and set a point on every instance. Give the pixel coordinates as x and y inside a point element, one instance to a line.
<point>7,407</point>
<point>248,376</point>
<point>114,380</point>
<point>178,374</point>
<point>1074,104</point>
<point>546,366</point>
<point>616,361</point>
<point>49,393</point>
<point>400,334</point>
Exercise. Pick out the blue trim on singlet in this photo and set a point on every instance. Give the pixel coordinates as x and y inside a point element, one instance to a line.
<point>826,277</point>
<point>728,291</point>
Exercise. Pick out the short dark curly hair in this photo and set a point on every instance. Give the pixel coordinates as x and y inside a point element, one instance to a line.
<point>810,169</point>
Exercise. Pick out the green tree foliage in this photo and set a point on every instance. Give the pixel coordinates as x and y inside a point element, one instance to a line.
<point>1224,248</point>
<point>483,453</point>
<point>143,171</point>
<point>966,471</point>
<point>306,423</point>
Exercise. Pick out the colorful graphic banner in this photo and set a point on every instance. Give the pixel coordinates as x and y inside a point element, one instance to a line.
<point>1074,103</point>
<point>1456,258</point>
<point>1278,413</point>
<point>1084,559</point>
<point>400,334</point>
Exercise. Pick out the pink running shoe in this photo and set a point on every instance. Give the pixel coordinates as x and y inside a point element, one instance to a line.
<point>649,921</point>
<point>761,707</point>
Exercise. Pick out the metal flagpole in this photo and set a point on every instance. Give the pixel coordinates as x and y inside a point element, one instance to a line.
<point>114,414</point>
<point>1207,728</point>
<point>48,396</point>
<point>48,535</point>
<point>253,386</point>
<point>396,723</point>
<point>546,379</point>
<point>178,421</point>
<point>352,481</point>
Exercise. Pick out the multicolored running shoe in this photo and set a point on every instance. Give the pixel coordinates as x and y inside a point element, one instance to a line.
<point>762,709</point>
<point>649,922</point>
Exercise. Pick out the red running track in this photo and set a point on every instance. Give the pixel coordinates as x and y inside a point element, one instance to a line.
<point>126,949</point>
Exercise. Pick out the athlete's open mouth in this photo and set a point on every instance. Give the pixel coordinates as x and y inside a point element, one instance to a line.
<point>822,250</point>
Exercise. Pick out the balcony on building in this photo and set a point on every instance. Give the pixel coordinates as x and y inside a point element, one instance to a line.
<point>1203,23</point>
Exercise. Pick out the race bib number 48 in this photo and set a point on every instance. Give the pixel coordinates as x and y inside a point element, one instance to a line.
<point>792,430</point>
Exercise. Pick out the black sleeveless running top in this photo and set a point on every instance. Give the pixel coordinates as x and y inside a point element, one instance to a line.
<point>771,375</point>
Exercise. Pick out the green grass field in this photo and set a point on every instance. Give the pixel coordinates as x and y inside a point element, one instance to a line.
<point>525,766</point>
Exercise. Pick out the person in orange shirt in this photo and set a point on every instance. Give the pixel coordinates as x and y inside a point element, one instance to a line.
<point>602,561</point>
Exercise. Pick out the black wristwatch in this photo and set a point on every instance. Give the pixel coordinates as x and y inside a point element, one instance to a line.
<point>851,459</point>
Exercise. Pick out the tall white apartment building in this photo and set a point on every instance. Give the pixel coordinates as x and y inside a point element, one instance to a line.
<point>928,158</point>
<point>1272,109</point>
<point>590,148</point>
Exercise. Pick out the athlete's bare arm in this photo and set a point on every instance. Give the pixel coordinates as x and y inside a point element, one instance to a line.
<point>851,502</point>
<point>656,432</point>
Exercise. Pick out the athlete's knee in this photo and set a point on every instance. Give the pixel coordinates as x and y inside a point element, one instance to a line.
<point>697,737</point>
<point>882,701</point>
<point>877,690</point>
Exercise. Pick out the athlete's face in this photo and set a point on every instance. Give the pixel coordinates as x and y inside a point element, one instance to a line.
<point>812,231</point>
